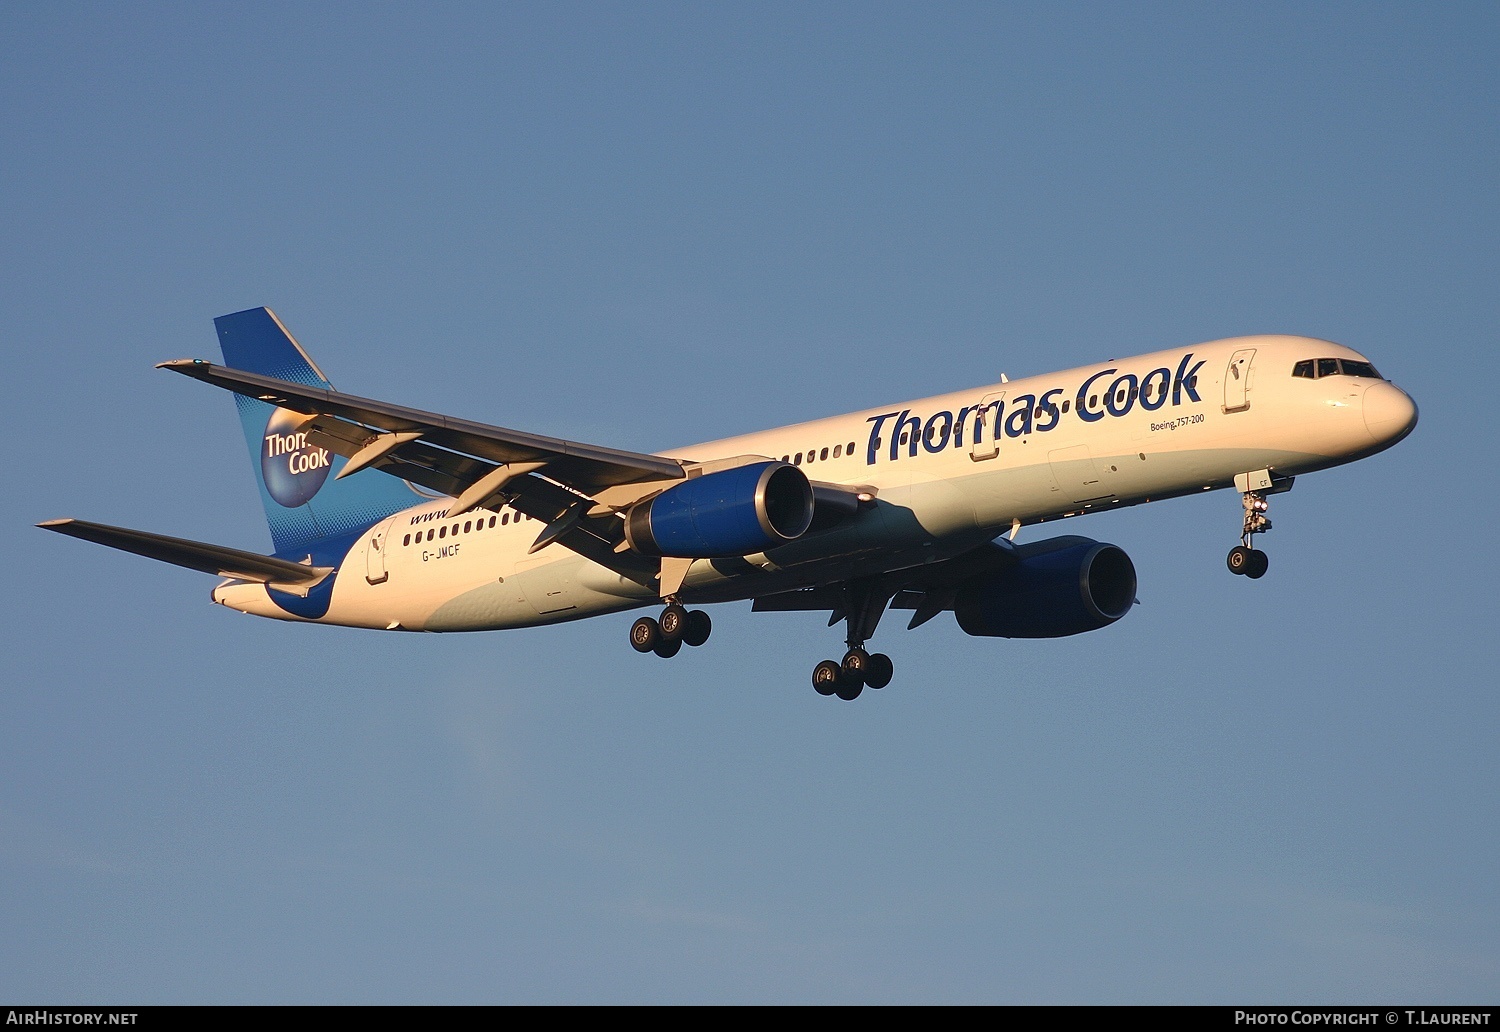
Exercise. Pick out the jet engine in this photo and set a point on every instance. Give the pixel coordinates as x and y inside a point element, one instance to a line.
<point>1063,586</point>
<point>735,511</point>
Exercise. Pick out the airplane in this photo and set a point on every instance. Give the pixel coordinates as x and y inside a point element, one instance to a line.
<point>392,518</point>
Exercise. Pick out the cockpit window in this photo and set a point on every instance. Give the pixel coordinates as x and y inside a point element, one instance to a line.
<point>1312,369</point>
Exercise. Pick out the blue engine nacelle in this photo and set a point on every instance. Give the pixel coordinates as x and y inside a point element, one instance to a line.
<point>736,511</point>
<point>1064,586</point>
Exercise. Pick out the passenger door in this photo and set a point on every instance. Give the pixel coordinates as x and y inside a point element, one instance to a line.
<point>375,566</point>
<point>987,429</point>
<point>1237,381</point>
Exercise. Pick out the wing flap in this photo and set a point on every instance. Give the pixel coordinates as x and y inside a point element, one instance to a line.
<point>927,589</point>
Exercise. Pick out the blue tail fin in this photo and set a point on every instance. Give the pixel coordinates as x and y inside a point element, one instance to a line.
<point>304,503</point>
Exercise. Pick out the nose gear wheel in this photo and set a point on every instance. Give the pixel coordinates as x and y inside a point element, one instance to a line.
<point>1244,559</point>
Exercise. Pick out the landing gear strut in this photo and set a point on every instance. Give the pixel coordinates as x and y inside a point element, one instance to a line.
<point>859,670</point>
<point>676,627</point>
<point>1244,558</point>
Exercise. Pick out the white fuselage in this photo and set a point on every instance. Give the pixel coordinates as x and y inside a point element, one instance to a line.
<point>949,472</point>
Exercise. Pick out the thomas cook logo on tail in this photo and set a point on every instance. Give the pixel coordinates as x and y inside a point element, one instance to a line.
<point>292,468</point>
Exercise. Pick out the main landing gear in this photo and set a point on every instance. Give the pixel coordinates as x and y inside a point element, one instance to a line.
<point>676,627</point>
<point>863,606</point>
<point>858,671</point>
<point>1244,559</point>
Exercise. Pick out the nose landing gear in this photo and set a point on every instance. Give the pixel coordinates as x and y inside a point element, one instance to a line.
<point>1253,489</point>
<point>1244,558</point>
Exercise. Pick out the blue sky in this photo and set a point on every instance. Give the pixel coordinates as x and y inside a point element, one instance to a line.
<point>649,224</point>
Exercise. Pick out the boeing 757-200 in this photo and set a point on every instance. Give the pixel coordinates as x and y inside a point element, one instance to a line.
<point>392,518</point>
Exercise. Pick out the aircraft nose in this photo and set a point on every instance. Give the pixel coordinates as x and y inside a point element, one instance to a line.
<point>1390,413</point>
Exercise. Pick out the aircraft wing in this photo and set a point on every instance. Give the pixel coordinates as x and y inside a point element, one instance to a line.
<point>574,489</point>
<point>928,589</point>
<point>418,436</point>
<point>195,555</point>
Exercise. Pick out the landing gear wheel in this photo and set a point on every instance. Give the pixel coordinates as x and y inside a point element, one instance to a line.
<point>878,670</point>
<point>826,677</point>
<point>697,629</point>
<point>644,634</point>
<point>856,662</point>
<point>1259,563</point>
<point>1239,560</point>
<point>673,620</point>
<point>668,647</point>
<point>849,690</point>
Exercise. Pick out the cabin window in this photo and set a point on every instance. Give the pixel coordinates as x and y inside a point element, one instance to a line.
<point>823,455</point>
<point>1066,403</point>
<point>406,540</point>
<point>798,460</point>
<point>849,450</point>
<point>837,450</point>
<point>468,526</point>
<point>443,532</point>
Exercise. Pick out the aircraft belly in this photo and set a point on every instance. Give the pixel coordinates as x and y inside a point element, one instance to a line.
<point>542,592</point>
<point>490,606</point>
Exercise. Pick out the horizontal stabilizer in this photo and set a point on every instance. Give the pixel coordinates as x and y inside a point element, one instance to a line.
<point>195,555</point>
